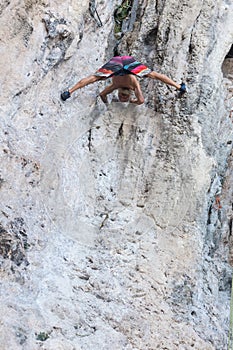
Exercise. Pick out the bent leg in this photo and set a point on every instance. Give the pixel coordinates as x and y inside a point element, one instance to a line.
<point>163,78</point>
<point>84,82</point>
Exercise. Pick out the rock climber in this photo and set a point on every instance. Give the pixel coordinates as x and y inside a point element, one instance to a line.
<point>123,70</point>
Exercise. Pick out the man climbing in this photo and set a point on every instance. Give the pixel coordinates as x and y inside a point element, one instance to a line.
<point>123,70</point>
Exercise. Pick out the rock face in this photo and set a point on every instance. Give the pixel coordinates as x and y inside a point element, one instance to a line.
<point>115,221</point>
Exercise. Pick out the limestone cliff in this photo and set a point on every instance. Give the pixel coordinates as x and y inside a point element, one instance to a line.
<point>115,221</point>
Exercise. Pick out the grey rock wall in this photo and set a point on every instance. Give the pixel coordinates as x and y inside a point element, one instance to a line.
<point>115,221</point>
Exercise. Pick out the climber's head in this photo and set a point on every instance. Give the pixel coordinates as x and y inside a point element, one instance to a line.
<point>124,94</point>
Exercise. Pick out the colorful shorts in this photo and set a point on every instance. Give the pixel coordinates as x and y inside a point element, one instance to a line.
<point>122,65</point>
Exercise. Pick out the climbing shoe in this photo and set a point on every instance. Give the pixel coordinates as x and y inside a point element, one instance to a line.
<point>65,95</point>
<point>183,88</point>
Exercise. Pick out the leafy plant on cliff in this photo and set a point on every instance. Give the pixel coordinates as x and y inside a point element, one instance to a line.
<point>42,336</point>
<point>121,13</point>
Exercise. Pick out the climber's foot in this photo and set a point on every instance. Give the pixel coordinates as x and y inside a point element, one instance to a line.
<point>183,88</point>
<point>65,95</point>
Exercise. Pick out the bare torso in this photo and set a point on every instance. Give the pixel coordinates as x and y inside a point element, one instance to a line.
<point>125,81</point>
<point>128,81</point>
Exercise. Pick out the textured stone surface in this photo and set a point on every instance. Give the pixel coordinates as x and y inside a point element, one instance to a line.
<point>115,221</point>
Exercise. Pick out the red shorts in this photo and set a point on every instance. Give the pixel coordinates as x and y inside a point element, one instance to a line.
<point>122,65</point>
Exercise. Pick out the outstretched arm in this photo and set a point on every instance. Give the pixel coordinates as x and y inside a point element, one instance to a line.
<point>164,79</point>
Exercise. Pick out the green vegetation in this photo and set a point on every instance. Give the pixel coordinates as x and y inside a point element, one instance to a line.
<point>121,13</point>
<point>42,336</point>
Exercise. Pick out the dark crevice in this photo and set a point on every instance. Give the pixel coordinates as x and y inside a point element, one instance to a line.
<point>120,131</point>
<point>94,13</point>
<point>116,51</point>
<point>209,215</point>
<point>159,6</point>
<point>167,33</point>
<point>151,37</point>
<point>89,140</point>
<point>191,47</point>
<point>230,53</point>
<point>191,43</point>
<point>230,227</point>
